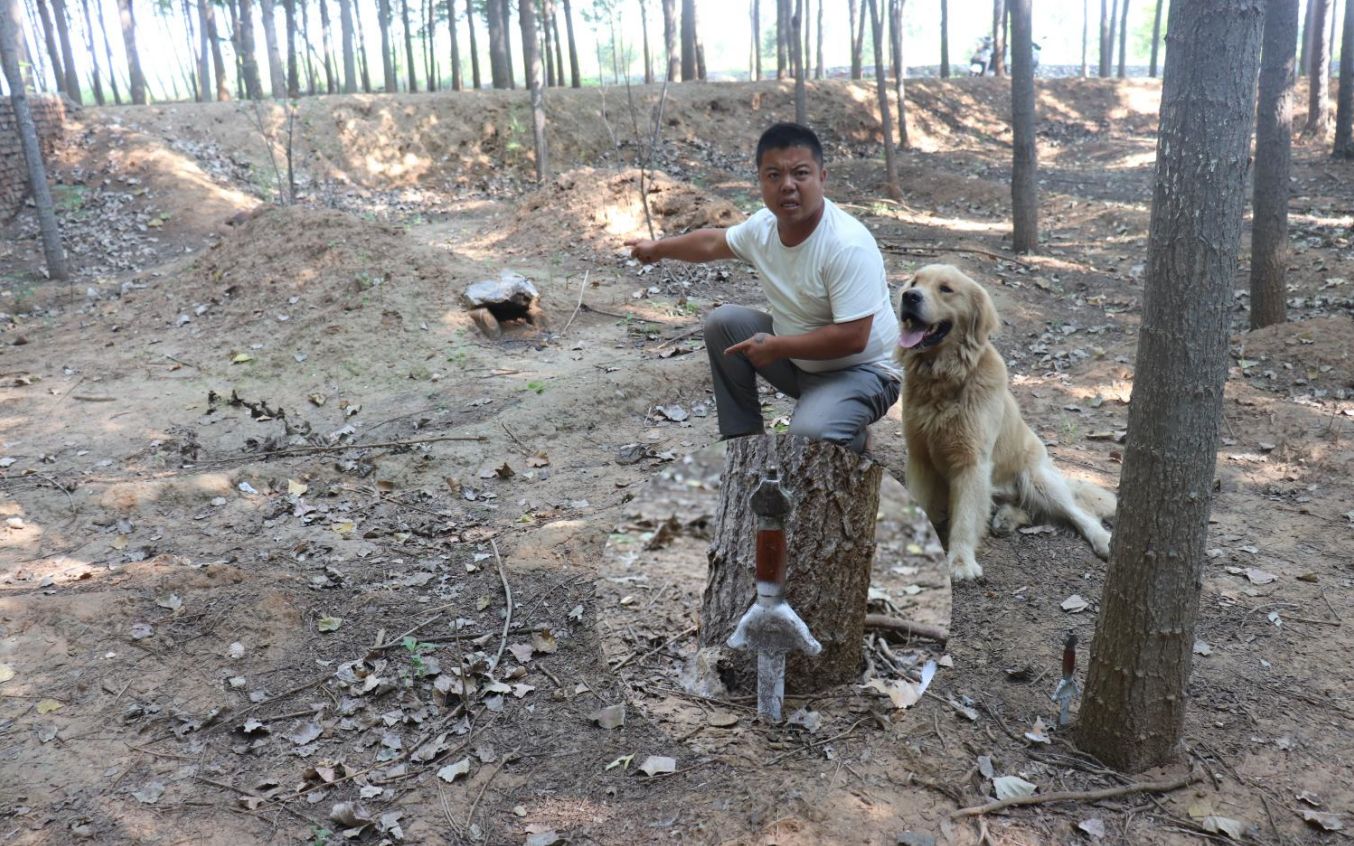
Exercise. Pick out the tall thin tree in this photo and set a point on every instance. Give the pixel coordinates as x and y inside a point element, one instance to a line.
<point>1133,712</point>
<point>364,66</point>
<point>493,21</point>
<point>1085,37</point>
<point>277,73</point>
<point>410,66</point>
<point>1156,38</point>
<point>998,37</point>
<point>1273,157</point>
<point>797,64</point>
<point>293,69</point>
<point>253,84</point>
<point>1304,56</point>
<point>49,40</point>
<point>644,37</point>
<point>532,60</point>
<point>896,18</point>
<point>671,40</point>
<point>944,39</point>
<point>331,83</point>
<point>1024,150</point>
<point>1106,44</point>
<point>137,80</point>
<point>346,40</point>
<point>882,92</point>
<point>505,14</point>
<point>853,10</point>
<point>474,48</point>
<point>1123,38</point>
<point>689,71</point>
<point>204,59</point>
<point>10,32</point>
<point>1344,105</point>
<point>455,47</point>
<point>96,82</point>
<point>1318,74</point>
<point>392,83</point>
<point>818,67</point>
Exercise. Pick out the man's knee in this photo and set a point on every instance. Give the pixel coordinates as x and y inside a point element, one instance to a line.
<point>723,320</point>
<point>819,429</point>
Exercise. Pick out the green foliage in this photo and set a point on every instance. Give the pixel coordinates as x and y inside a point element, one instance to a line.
<point>416,650</point>
<point>536,386</point>
<point>320,835</point>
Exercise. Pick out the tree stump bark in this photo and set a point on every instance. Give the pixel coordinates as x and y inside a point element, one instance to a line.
<point>830,536</point>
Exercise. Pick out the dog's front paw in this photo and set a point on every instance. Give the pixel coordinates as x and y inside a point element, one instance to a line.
<point>1101,544</point>
<point>964,568</point>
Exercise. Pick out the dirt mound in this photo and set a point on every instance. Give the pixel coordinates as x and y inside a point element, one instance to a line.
<point>1321,345</point>
<point>602,208</point>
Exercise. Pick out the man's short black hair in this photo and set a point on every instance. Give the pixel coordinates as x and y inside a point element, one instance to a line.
<point>781,136</point>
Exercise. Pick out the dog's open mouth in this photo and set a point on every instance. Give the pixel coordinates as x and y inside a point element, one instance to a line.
<point>915,335</point>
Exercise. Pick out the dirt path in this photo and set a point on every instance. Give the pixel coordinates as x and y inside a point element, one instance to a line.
<point>267,491</point>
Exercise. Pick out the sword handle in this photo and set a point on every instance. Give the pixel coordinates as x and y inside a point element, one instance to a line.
<point>771,556</point>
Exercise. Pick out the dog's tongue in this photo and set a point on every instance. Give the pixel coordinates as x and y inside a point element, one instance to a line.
<point>909,338</point>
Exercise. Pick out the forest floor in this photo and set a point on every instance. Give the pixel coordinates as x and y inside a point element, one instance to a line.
<point>293,554</point>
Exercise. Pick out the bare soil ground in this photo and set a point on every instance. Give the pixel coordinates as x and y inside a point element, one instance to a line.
<point>293,554</point>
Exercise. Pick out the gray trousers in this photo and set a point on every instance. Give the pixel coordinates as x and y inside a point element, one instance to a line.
<point>835,406</point>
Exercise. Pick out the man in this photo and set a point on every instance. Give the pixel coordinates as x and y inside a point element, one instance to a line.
<point>829,338</point>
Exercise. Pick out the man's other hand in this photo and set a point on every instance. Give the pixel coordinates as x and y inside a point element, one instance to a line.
<point>760,349</point>
<point>643,249</point>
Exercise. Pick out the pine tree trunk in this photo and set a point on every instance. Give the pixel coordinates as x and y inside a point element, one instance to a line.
<point>474,47</point>
<point>853,11</point>
<point>1025,153</point>
<point>331,85</point>
<point>411,66</point>
<point>1305,55</point>
<point>277,73</point>
<point>429,36</point>
<point>543,38</point>
<point>1273,156</point>
<point>349,55</point>
<point>204,67</point>
<point>108,54</point>
<point>671,38</point>
<point>882,91</point>
<point>137,79</point>
<point>1104,39</point>
<point>253,83</point>
<point>1123,39</point>
<point>505,15</point>
<point>1085,37</point>
<point>493,19</point>
<point>28,141</point>
<point>797,63</point>
<point>818,68</point>
<point>998,37</point>
<point>944,39</point>
<point>1114,32</point>
<point>49,40</point>
<point>644,34</point>
<point>293,69</point>
<point>531,61</point>
<point>689,72</point>
<point>782,38</point>
<point>392,84</point>
<point>1344,105</point>
<point>1133,712</point>
<point>830,533</point>
<point>95,80</point>
<point>1318,74</point>
<point>898,84</point>
<point>1156,39</point>
<point>363,64</point>
<point>559,45</point>
<point>456,83</point>
<point>576,72</point>
<point>755,66</point>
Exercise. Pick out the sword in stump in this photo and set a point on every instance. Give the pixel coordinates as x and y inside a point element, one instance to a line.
<point>771,627</point>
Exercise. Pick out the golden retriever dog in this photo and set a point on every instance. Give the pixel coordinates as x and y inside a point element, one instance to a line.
<point>967,445</point>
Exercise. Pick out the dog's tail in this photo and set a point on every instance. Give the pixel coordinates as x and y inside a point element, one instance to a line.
<point>1093,498</point>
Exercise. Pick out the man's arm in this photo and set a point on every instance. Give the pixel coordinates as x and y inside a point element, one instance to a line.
<point>699,246</point>
<point>836,340</point>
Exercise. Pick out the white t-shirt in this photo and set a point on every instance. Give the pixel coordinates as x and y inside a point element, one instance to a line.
<point>835,276</point>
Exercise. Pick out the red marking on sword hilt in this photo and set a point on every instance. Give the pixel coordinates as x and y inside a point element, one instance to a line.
<point>1070,655</point>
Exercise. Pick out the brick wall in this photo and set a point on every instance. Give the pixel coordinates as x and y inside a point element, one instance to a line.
<point>49,115</point>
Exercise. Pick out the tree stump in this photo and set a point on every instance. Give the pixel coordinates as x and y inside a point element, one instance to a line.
<point>830,536</point>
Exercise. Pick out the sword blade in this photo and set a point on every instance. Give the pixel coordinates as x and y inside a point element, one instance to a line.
<point>770,685</point>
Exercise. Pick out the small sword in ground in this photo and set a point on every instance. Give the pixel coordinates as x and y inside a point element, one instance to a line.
<point>1066,690</point>
<point>771,627</point>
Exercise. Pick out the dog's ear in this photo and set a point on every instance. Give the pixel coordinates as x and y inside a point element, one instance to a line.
<point>983,320</point>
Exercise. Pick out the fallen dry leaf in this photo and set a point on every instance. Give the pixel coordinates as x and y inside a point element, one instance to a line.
<point>451,772</point>
<point>610,717</point>
<point>1010,787</point>
<point>655,764</point>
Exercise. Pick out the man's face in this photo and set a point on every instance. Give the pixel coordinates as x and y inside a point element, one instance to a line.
<point>792,185</point>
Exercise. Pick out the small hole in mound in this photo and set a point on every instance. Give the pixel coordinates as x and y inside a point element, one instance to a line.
<point>511,313</point>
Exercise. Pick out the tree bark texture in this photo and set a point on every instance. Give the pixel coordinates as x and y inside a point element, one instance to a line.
<point>575,72</point>
<point>410,65</point>
<point>253,85</point>
<point>1156,39</point>
<point>671,40</point>
<point>882,91</point>
<point>1123,38</point>
<point>204,73</point>
<point>689,40</point>
<point>1318,99</point>
<point>392,84</point>
<point>531,57</point>
<point>1105,43</point>
<point>830,546</point>
<point>644,35</point>
<point>944,39</point>
<point>1085,35</point>
<point>1024,152</point>
<point>1344,105</point>
<point>756,68</point>
<point>998,37</point>
<point>559,48</point>
<point>293,67</point>
<point>1273,156</point>
<point>497,55</point>
<point>28,141</point>
<point>818,66</point>
<point>896,16</point>
<point>277,75</point>
<point>853,10</point>
<point>346,38</point>
<point>364,66</point>
<point>136,79</point>
<point>95,80</point>
<point>1134,708</point>
<point>1305,45</point>
<point>782,26</point>
<point>505,15</point>
<point>455,46</point>
<point>49,40</point>
<point>797,61</point>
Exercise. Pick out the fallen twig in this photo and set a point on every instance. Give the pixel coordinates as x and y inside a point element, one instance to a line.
<point>626,316</point>
<point>286,453</point>
<point>950,248</point>
<point>885,622</point>
<point>664,645</point>
<point>470,815</point>
<point>507,593</point>
<point>515,439</point>
<point>579,305</point>
<point>1165,786</point>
